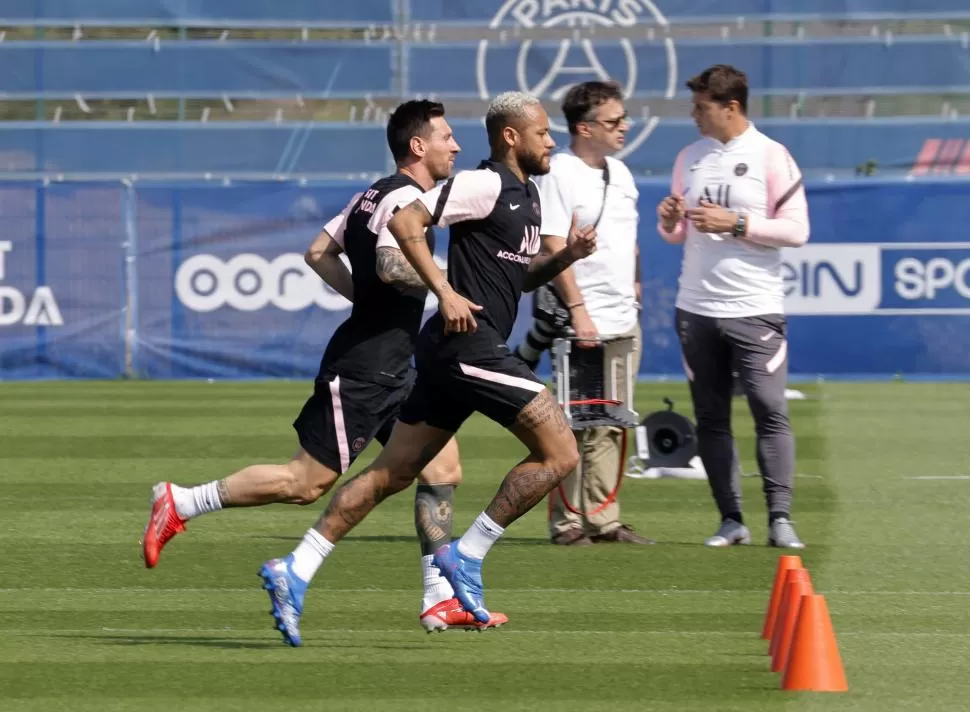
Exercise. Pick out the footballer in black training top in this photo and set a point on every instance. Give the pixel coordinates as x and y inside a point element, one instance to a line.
<point>495,219</point>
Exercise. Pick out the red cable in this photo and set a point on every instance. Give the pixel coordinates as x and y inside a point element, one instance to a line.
<point>612,495</point>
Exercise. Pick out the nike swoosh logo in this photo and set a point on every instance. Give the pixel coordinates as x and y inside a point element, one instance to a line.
<point>513,207</point>
<point>767,336</point>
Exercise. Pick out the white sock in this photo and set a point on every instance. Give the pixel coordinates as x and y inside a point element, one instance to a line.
<point>193,501</point>
<point>436,586</point>
<point>480,536</point>
<point>310,553</point>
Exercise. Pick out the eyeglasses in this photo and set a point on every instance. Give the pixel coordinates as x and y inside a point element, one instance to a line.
<point>611,124</point>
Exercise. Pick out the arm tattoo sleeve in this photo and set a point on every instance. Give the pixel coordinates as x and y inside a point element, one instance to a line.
<point>393,268</point>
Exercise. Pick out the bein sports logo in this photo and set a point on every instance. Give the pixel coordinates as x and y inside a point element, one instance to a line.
<point>249,282</point>
<point>549,74</point>
<point>888,278</point>
<point>932,277</point>
<point>832,279</point>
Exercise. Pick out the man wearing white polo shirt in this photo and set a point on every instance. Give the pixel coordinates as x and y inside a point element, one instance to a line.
<point>599,291</point>
<point>736,199</point>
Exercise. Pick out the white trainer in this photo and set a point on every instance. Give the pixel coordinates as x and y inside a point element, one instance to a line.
<point>728,534</point>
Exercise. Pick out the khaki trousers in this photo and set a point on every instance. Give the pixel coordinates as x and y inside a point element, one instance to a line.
<point>600,467</point>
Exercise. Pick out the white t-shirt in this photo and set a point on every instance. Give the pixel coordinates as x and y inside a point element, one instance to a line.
<point>754,175</point>
<point>605,278</point>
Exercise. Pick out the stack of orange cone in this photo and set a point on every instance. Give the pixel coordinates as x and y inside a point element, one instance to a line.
<point>797,622</point>
<point>771,614</point>
<point>798,583</point>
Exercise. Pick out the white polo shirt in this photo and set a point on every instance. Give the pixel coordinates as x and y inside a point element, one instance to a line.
<point>605,278</point>
<point>751,174</point>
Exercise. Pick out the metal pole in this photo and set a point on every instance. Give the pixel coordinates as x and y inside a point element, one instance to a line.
<point>40,260</point>
<point>183,36</point>
<point>404,65</point>
<point>178,332</point>
<point>766,59</point>
<point>400,58</point>
<point>39,106</point>
<point>129,203</point>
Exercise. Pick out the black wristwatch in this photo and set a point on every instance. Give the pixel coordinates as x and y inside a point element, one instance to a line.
<point>740,226</point>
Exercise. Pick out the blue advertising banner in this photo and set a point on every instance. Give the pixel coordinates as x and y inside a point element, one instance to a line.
<point>62,281</point>
<point>224,291</point>
<point>208,281</point>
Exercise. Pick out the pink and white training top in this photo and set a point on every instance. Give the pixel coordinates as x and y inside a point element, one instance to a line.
<point>724,276</point>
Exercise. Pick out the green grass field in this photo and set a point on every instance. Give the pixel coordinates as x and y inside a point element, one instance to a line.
<point>83,626</point>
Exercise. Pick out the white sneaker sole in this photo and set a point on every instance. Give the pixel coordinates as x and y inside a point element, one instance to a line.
<point>720,542</point>
<point>436,625</point>
<point>799,545</point>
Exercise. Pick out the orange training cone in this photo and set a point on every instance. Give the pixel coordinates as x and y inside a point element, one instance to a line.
<point>784,564</point>
<point>783,604</point>
<point>814,662</point>
<point>799,585</point>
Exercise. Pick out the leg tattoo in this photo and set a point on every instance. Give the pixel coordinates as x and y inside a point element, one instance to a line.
<point>433,516</point>
<point>522,489</point>
<point>353,502</point>
<point>541,410</point>
<point>358,496</point>
<point>222,488</point>
<point>533,478</point>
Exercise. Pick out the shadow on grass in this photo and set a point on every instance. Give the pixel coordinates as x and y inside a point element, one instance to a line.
<point>513,541</point>
<point>401,539</point>
<point>222,642</point>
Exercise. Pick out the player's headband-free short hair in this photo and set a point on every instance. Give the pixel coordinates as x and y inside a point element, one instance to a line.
<point>723,83</point>
<point>410,119</point>
<point>582,100</point>
<point>507,109</point>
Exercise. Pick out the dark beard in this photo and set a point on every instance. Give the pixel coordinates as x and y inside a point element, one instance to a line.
<point>532,165</point>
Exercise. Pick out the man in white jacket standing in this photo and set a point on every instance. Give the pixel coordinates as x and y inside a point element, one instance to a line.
<point>736,199</point>
<point>600,293</point>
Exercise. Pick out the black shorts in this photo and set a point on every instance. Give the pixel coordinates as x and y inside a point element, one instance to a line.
<point>460,374</point>
<point>344,415</point>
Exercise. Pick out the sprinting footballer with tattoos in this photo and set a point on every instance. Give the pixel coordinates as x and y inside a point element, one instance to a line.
<point>463,362</point>
<point>365,374</point>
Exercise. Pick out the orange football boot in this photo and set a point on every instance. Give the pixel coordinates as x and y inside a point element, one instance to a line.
<point>163,524</point>
<point>450,614</point>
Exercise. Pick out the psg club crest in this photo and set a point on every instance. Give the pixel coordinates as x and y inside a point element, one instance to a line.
<point>547,68</point>
<point>358,444</point>
<point>740,169</point>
